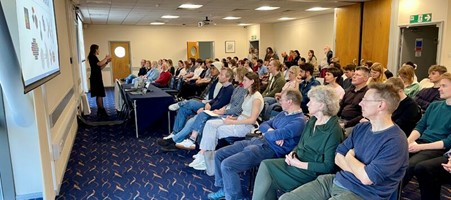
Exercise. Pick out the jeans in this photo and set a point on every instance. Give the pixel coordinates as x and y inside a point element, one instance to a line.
<point>181,135</point>
<point>129,78</point>
<point>322,187</point>
<point>236,158</point>
<point>270,103</point>
<point>187,108</point>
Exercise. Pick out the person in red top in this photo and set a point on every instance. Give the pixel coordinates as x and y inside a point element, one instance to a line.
<point>164,78</point>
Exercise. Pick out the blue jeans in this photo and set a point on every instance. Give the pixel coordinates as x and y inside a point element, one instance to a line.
<point>129,78</point>
<point>269,103</point>
<point>187,108</point>
<point>195,123</point>
<point>236,158</point>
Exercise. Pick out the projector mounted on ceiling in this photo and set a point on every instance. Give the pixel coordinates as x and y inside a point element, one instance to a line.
<point>204,22</point>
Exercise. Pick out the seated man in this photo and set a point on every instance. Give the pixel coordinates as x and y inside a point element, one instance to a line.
<point>152,74</point>
<point>308,81</point>
<point>432,174</point>
<point>373,159</point>
<point>428,95</point>
<point>350,112</point>
<point>187,108</point>
<point>432,135</point>
<point>348,72</point>
<point>280,136</point>
<point>164,78</point>
<point>407,114</point>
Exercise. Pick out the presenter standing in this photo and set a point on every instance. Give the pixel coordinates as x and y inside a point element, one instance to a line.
<point>96,81</point>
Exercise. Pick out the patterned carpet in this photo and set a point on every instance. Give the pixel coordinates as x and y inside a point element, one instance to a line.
<point>108,162</point>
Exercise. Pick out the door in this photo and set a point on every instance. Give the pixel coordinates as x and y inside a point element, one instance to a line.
<point>419,44</point>
<point>120,62</point>
<point>206,50</point>
<point>192,50</point>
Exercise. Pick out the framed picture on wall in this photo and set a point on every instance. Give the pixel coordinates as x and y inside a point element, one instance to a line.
<point>230,46</point>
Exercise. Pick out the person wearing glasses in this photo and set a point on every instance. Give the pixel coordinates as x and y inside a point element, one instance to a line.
<point>372,159</point>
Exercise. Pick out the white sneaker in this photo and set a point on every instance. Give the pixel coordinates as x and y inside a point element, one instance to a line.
<point>200,166</point>
<point>169,136</point>
<point>199,159</point>
<point>174,107</point>
<point>196,155</point>
<point>186,144</point>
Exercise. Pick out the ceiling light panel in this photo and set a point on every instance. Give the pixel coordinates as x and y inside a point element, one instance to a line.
<point>231,18</point>
<point>190,6</point>
<point>170,17</point>
<point>317,9</point>
<point>266,8</point>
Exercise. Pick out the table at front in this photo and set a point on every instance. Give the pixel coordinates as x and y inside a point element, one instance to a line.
<point>150,107</point>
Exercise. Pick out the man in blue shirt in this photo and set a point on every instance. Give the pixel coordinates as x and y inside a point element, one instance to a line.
<point>373,159</point>
<point>280,135</point>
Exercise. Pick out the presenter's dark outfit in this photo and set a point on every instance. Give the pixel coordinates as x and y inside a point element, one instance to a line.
<point>96,81</point>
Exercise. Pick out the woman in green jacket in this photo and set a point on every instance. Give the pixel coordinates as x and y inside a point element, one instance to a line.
<point>313,156</point>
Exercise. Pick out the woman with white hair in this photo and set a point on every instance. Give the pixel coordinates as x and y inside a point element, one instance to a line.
<point>313,156</point>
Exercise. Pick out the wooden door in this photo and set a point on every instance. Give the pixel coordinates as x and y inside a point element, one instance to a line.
<point>120,63</point>
<point>192,50</point>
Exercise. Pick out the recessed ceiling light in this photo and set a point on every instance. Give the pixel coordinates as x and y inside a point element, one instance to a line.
<point>286,18</point>
<point>190,6</point>
<point>157,23</point>
<point>231,18</point>
<point>317,9</point>
<point>170,17</point>
<point>267,8</point>
<point>243,24</point>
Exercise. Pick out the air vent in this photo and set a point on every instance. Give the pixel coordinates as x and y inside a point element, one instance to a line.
<point>288,11</point>
<point>239,10</point>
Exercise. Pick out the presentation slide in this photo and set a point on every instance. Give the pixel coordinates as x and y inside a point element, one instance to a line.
<point>38,56</point>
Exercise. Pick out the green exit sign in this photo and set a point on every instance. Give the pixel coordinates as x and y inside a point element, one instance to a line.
<point>421,18</point>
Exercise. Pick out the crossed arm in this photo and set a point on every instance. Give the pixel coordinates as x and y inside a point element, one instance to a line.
<point>351,164</point>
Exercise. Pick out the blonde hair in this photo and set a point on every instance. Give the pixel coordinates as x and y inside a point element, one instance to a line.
<point>407,73</point>
<point>378,68</point>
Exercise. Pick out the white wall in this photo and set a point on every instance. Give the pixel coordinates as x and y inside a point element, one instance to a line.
<point>440,10</point>
<point>36,174</point>
<point>156,42</point>
<point>305,34</point>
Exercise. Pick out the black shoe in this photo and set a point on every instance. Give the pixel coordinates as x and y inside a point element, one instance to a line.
<point>170,147</point>
<point>167,142</point>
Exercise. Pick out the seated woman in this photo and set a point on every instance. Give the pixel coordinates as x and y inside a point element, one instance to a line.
<point>331,78</point>
<point>408,113</point>
<point>407,74</point>
<point>313,156</point>
<point>271,102</point>
<point>377,74</point>
<point>230,126</point>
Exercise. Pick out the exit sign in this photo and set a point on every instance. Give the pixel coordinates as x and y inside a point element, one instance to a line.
<point>420,18</point>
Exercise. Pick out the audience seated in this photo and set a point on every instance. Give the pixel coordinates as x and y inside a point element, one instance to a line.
<point>348,72</point>
<point>277,80</point>
<point>152,74</point>
<point>314,154</point>
<point>308,81</point>
<point>428,95</point>
<point>330,79</point>
<point>196,124</point>
<point>231,126</point>
<point>350,111</point>
<point>431,138</point>
<point>280,136</point>
<point>187,108</point>
<point>407,74</point>
<point>270,102</point>
<point>373,158</point>
<point>408,113</point>
<point>142,72</point>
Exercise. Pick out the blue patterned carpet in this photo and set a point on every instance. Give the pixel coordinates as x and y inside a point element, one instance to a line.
<point>108,162</point>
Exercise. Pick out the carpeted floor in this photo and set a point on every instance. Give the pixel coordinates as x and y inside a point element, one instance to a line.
<point>108,162</point>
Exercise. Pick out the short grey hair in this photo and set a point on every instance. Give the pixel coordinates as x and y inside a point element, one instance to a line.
<point>327,96</point>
